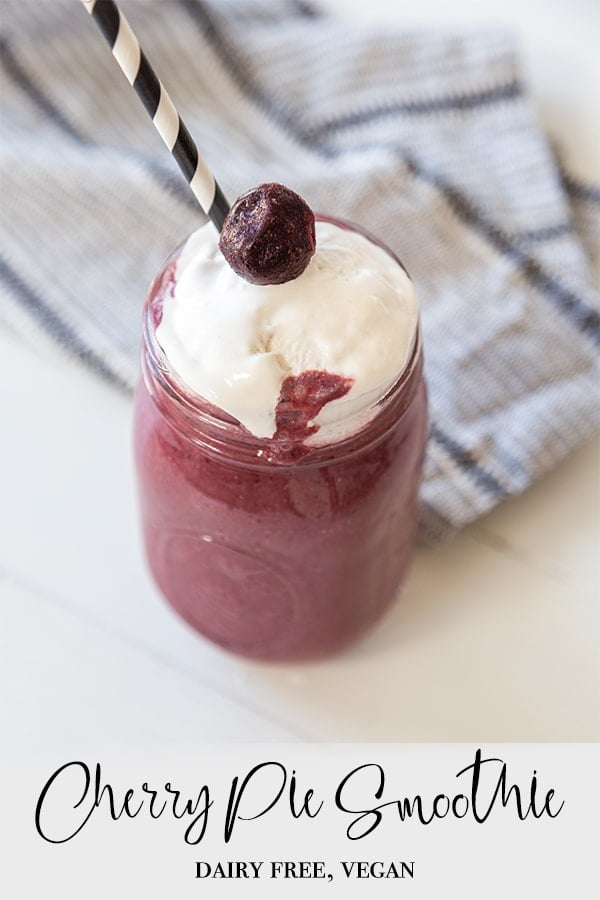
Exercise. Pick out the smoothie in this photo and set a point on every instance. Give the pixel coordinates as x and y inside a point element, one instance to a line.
<point>279,438</point>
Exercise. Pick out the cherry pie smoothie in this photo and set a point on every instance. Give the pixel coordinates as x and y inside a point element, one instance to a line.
<point>279,437</point>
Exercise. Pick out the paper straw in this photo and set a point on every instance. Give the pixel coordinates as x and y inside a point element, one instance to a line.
<point>159,106</point>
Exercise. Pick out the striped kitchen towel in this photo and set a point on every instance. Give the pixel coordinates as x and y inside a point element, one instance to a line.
<point>426,138</point>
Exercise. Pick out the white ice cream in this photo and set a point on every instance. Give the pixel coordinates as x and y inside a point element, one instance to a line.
<point>353,312</point>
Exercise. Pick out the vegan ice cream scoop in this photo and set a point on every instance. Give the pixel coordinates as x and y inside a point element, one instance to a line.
<point>352,313</point>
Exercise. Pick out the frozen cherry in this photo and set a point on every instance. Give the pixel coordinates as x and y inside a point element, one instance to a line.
<point>268,236</point>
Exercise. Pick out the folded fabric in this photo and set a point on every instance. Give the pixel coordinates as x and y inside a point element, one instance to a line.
<point>426,138</point>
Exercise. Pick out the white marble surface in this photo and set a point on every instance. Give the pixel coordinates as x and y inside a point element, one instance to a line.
<point>496,637</point>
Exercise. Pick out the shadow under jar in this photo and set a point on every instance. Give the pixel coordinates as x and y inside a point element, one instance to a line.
<point>275,551</point>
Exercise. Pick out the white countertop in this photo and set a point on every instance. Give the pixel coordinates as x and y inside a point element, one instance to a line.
<point>495,639</point>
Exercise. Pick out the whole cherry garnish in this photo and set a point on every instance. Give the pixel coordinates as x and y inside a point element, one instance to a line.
<point>268,236</point>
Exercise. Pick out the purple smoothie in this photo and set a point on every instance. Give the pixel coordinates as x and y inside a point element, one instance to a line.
<point>275,548</point>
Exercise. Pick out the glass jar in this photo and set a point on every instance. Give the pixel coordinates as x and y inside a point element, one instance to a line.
<point>274,551</point>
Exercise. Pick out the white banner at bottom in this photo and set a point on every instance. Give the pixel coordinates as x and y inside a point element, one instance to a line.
<point>278,820</point>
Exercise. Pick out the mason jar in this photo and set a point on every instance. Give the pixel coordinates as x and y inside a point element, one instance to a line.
<point>271,550</point>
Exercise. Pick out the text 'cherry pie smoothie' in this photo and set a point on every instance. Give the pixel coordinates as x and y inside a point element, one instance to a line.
<point>280,429</point>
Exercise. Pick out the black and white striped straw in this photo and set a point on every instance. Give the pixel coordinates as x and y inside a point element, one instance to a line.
<point>159,106</point>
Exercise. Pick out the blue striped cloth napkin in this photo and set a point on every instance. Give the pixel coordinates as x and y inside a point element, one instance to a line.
<point>427,138</point>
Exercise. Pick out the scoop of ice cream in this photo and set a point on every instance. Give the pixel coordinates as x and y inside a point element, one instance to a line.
<point>268,235</point>
<point>352,313</point>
